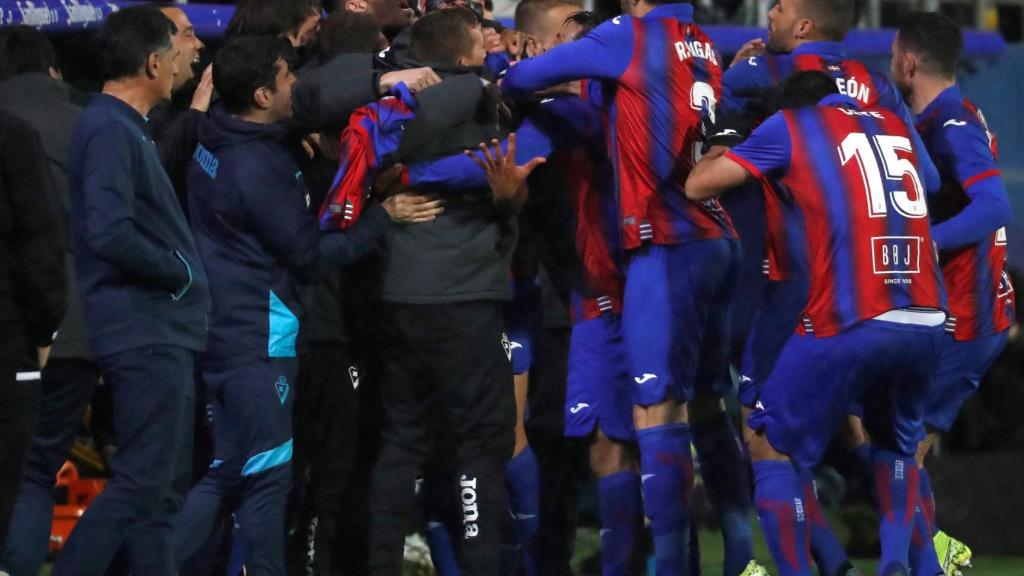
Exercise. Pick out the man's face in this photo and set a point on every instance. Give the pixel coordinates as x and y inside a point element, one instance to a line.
<point>783,19</point>
<point>185,40</point>
<point>306,32</point>
<point>281,96</point>
<point>390,14</point>
<point>554,19</point>
<point>898,68</point>
<point>478,54</point>
<point>167,71</point>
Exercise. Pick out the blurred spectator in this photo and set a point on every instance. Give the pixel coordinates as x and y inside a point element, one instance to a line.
<point>31,89</point>
<point>348,32</point>
<point>145,297</point>
<point>296,20</point>
<point>32,290</point>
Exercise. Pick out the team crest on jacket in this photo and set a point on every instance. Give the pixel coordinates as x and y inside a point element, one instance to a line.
<point>506,346</point>
<point>282,389</point>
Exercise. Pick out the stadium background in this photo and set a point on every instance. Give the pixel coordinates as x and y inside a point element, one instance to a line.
<point>980,464</point>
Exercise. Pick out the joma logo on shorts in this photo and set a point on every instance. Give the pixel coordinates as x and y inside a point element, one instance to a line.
<point>470,508</point>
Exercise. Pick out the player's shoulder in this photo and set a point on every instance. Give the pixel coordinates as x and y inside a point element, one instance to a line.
<point>617,26</point>
<point>755,70</point>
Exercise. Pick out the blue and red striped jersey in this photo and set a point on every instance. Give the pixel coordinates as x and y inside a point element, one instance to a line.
<point>373,131</point>
<point>969,216</point>
<point>660,76</point>
<point>853,176</point>
<point>748,87</point>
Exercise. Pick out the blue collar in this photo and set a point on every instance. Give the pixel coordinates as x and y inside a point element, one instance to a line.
<point>120,107</point>
<point>833,49</point>
<point>683,12</point>
<point>839,100</point>
<point>951,95</point>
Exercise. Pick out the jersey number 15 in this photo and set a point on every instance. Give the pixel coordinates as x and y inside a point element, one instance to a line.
<point>878,156</point>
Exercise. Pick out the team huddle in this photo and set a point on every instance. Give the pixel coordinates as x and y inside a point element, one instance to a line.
<point>828,237</point>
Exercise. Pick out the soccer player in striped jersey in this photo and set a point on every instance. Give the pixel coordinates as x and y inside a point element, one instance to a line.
<point>968,216</point>
<point>657,76</point>
<point>872,325</point>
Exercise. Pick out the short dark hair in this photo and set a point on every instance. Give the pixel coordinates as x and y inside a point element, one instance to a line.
<point>246,64</point>
<point>443,36</point>
<point>529,13</point>
<point>833,18</point>
<point>935,39</point>
<point>270,17</point>
<point>345,32</point>
<point>25,50</point>
<point>805,88</point>
<point>129,36</point>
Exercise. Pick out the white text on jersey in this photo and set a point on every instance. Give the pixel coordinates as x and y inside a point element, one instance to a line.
<point>696,49</point>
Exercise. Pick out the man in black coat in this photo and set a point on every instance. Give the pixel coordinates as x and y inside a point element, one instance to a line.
<point>32,289</point>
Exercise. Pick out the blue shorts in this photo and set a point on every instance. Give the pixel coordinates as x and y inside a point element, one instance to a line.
<point>675,319</point>
<point>961,367</point>
<point>523,316</point>
<point>776,321</point>
<point>816,381</point>
<point>252,415</point>
<point>599,392</point>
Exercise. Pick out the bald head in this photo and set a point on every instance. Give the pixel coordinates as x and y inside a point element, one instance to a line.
<point>542,20</point>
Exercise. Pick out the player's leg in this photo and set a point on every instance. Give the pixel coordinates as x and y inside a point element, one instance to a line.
<point>471,363</point>
<point>150,387</point>
<point>614,464</point>
<point>523,474</point>
<point>961,367</point>
<point>67,386</point>
<point>668,296</point>
<point>903,357</point>
<point>800,408</point>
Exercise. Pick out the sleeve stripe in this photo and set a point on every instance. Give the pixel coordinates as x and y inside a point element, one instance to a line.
<point>746,164</point>
<point>979,177</point>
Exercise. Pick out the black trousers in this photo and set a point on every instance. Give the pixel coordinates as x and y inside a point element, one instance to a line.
<point>18,405</point>
<point>453,359</point>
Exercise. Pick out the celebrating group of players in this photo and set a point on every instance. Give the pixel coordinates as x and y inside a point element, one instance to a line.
<point>833,236</point>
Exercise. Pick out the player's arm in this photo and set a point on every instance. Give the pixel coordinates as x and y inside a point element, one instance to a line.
<point>765,154</point>
<point>966,147</point>
<point>604,53</point>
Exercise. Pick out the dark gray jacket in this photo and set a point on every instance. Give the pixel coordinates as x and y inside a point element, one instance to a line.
<point>45,104</point>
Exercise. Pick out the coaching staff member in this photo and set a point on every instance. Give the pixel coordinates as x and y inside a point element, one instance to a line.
<point>144,293</point>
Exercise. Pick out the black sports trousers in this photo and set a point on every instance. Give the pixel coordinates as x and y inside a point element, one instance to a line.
<point>454,358</point>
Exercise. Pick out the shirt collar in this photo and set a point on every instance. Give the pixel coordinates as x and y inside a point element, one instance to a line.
<point>121,107</point>
<point>834,49</point>
<point>683,12</point>
<point>837,100</point>
<point>951,94</point>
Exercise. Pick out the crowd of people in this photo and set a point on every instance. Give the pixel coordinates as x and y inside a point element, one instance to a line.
<point>317,294</point>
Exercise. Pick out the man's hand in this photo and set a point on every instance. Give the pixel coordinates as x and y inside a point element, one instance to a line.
<point>412,208</point>
<point>204,91</point>
<point>514,41</point>
<point>507,180</point>
<point>753,48</point>
<point>492,41</point>
<point>415,79</point>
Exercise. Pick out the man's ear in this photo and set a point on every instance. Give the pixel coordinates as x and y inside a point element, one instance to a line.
<point>153,66</point>
<point>804,28</point>
<point>54,73</point>
<point>909,64</point>
<point>531,47</point>
<point>357,6</point>
<point>262,97</point>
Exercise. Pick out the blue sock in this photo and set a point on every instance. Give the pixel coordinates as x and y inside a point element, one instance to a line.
<point>523,480</point>
<point>923,559</point>
<point>442,550</point>
<point>726,472</point>
<point>897,489</point>
<point>666,469</point>
<point>779,496</point>
<point>828,553</point>
<point>622,519</point>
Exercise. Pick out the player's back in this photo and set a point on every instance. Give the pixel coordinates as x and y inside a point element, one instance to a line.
<point>853,174</point>
<point>672,81</point>
<point>981,296</point>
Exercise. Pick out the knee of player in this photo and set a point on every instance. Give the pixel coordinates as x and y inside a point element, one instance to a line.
<point>761,449</point>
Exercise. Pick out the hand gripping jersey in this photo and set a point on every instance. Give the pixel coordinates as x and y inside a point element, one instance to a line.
<point>660,76</point>
<point>748,87</point>
<point>981,297</point>
<point>853,176</point>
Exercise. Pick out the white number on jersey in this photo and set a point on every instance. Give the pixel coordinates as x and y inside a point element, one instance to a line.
<point>870,153</point>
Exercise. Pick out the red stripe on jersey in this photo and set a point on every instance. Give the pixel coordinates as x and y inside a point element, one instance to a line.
<point>979,177</point>
<point>630,125</point>
<point>748,166</point>
<point>601,274</point>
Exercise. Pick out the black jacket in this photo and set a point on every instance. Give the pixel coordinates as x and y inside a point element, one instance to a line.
<point>33,287</point>
<point>47,105</point>
<point>138,269</point>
